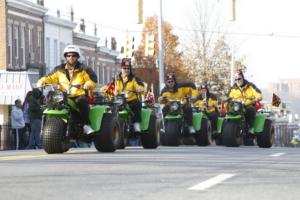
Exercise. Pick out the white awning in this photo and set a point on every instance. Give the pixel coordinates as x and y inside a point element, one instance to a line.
<point>14,85</point>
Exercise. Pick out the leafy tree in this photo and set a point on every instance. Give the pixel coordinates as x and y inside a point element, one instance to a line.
<point>172,57</point>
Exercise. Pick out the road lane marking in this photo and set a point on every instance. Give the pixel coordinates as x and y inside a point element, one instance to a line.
<point>211,182</point>
<point>21,157</point>
<point>277,154</point>
<point>40,155</point>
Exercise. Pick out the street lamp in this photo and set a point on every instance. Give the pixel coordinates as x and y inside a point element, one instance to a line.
<point>161,50</point>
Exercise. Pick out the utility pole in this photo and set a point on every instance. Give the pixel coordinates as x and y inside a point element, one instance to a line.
<point>140,11</point>
<point>233,18</point>
<point>161,49</point>
<point>233,10</point>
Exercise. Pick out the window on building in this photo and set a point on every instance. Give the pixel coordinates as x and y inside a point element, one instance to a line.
<point>16,46</point>
<point>108,75</point>
<point>47,52</point>
<point>103,75</point>
<point>55,50</point>
<point>31,48</point>
<point>22,50</point>
<point>10,42</point>
<point>98,74</point>
<point>40,39</point>
<point>61,52</point>
<point>93,63</point>
<point>87,61</point>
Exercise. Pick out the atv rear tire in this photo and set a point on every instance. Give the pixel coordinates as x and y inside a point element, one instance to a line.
<point>203,136</point>
<point>53,134</point>
<point>151,138</point>
<point>172,132</point>
<point>231,134</point>
<point>123,135</point>
<point>266,138</point>
<point>108,138</point>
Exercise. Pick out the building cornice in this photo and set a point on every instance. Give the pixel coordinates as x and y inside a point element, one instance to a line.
<point>28,6</point>
<point>88,38</point>
<point>59,22</point>
<point>105,50</point>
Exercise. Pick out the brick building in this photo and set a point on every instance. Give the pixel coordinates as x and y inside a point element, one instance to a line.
<point>21,55</point>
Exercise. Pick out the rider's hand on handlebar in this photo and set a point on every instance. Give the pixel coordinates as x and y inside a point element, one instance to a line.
<point>162,99</point>
<point>85,87</point>
<point>40,85</point>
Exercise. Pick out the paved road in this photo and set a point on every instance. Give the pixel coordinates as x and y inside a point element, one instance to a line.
<point>177,173</point>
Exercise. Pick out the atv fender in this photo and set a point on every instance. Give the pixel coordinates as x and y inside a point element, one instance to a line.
<point>146,113</point>
<point>62,114</point>
<point>96,115</point>
<point>259,122</point>
<point>197,120</point>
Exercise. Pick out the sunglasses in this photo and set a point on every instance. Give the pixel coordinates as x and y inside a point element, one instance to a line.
<point>238,79</point>
<point>126,68</point>
<point>71,55</point>
<point>170,81</point>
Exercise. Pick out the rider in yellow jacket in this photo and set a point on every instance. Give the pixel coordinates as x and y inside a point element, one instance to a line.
<point>74,73</point>
<point>246,91</point>
<point>126,81</point>
<point>208,103</point>
<point>179,91</point>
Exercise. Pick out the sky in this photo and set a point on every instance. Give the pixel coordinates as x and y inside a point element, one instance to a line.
<point>266,33</point>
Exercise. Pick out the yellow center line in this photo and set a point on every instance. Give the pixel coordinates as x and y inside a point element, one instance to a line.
<point>20,157</point>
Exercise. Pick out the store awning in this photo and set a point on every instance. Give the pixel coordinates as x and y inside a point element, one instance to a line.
<point>15,85</point>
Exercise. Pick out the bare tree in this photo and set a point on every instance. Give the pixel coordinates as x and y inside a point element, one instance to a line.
<point>207,56</point>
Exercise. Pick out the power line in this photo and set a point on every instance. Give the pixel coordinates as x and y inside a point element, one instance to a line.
<point>238,33</point>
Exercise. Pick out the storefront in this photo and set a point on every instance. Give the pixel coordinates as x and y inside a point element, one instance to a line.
<point>14,85</point>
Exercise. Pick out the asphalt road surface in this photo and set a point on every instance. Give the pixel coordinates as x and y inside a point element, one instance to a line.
<point>167,173</point>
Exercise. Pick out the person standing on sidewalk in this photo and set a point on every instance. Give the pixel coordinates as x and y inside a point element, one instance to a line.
<point>26,116</point>
<point>35,115</point>
<point>18,124</point>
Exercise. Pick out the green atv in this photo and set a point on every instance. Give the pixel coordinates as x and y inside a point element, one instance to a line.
<point>176,129</point>
<point>62,124</point>
<point>149,135</point>
<point>232,131</point>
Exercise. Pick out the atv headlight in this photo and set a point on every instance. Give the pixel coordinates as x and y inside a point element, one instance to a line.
<point>58,96</point>
<point>236,107</point>
<point>174,106</point>
<point>119,100</point>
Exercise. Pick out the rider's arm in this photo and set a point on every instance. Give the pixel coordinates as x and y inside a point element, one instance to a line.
<point>138,85</point>
<point>194,92</point>
<point>212,103</point>
<point>199,103</point>
<point>88,81</point>
<point>163,96</point>
<point>50,78</point>
<point>256,94</point>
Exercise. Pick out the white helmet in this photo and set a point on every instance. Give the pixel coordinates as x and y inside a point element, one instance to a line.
<point>71,49</point>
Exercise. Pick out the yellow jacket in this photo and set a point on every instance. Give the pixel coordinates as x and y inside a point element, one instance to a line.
<point>247,93</point>
<point>179,91</point>
<point>210,104</point>
<point>82,75</point>
<point>131,84</point>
